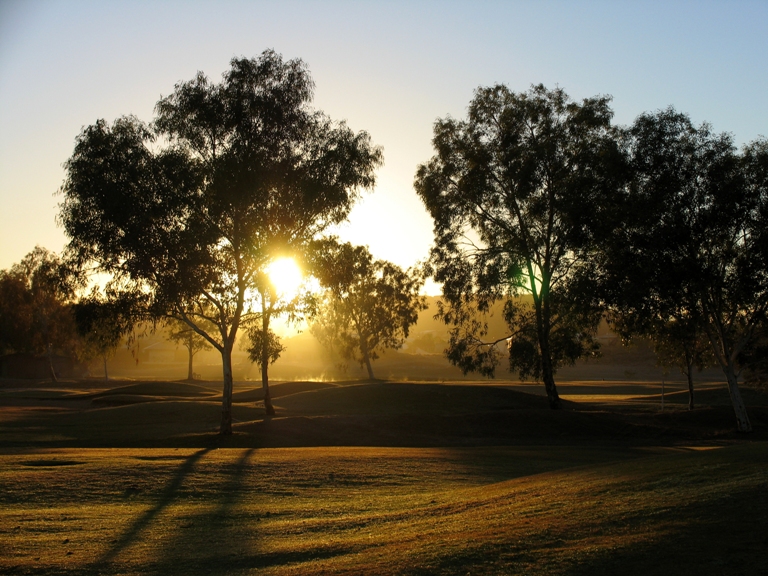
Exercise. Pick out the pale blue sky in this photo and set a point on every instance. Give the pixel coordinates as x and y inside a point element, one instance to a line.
<point>390,68</point>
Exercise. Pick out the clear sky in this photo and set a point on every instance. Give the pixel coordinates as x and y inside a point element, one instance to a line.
<point>389,67</point>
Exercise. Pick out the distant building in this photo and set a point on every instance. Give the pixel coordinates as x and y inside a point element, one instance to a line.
<point>161,352</point>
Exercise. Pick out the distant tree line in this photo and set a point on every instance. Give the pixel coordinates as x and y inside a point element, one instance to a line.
<point>660,227</point>
<point>42,312</point>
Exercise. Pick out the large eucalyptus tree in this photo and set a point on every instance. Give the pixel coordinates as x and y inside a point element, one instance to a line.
<point>514,191</point>
<point>228,176</point>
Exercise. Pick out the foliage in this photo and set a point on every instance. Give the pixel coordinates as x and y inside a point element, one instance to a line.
<point>181,333</point>
<point>513,192</point>
<point>369,305</point>
<point>103,320</point>
<point>259,346</point>
<point>193,207</point>
<point>688,249</point>
<point>35,306</point>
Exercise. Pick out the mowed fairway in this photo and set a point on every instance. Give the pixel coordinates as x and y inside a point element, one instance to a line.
<point>627,492</point>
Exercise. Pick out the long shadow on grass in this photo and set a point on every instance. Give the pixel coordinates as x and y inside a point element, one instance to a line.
<point>724,535</point>
<point>167,497</point>
<point>223,540</point>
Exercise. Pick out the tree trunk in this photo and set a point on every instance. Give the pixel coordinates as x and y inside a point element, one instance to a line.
<point>549,383</point>
<point>366,357</point>
<point>541,306</point>
<point>106,374</point>
<point>369,368</point>
<point>268,407</point>
<point>189,365</point>
<point>690,390</point>
<point>226,397</point>
<point>49,353</point>
<point>689,375</point>
<point>742,420</point>
<point>547,373</point>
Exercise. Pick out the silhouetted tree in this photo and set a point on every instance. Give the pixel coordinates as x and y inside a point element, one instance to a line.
<point>678,341</point>
<point>514,192</point>
<point>241,170</point>
<point>181,333</point>
<point>691,243</point>
<point>103,320</point>
<point>264,345</point>
<point>264,349</point>
<point>369,305</point>
<point>35,306</point>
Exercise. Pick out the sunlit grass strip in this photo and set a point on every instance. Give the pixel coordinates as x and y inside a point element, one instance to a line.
<point>375,511</point>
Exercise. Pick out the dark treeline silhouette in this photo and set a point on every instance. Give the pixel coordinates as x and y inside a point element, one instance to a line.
<point>686,257</point>
<point>36,317</point>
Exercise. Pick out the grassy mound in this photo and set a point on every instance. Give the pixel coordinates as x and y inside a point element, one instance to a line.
<point>278,390</point>
<point>158,389</point>
<point>352,414</point>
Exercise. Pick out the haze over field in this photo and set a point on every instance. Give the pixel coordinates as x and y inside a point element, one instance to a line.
<point>388,68</point>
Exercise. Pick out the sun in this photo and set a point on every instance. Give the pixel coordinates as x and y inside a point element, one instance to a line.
<point>286,276</point>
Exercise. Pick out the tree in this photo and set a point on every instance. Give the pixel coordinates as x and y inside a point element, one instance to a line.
<point>194,206</point>
<point>35,312</point>
<point>264,349</point>
<point>264,345</point>
<point>683,346</point>
<point>678,340</point>
<point>513,192</point>
<point>369,305</point>
<point>690,246</point>
<point>182,333</point>
<point>103,320</point>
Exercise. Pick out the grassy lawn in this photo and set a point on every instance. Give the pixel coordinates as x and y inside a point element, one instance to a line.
<point>89,486</point>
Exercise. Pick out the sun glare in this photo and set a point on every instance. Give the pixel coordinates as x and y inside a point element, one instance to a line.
<point>286,276</point>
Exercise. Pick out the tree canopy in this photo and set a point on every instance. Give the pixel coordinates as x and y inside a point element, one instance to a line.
<point>369,305</point>
<point>513,191</point>
<point>35,306</point>
<point>228,176</point>
<point>687,251</point>
<point>102,320</point>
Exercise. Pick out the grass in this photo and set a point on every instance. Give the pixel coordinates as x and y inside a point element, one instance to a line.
<point>385,511</point>
<point>379,478</point>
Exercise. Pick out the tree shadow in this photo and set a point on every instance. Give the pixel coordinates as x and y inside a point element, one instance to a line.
<point>167,497</point>
<point>722,535</point>
<point>224,538</point>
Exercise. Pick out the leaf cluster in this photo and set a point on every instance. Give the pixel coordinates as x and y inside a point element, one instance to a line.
<point>686,256</point>
<point>515,192</point>
<point>368,306</point>
<point>102,320</point>
<point>36,297</point>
